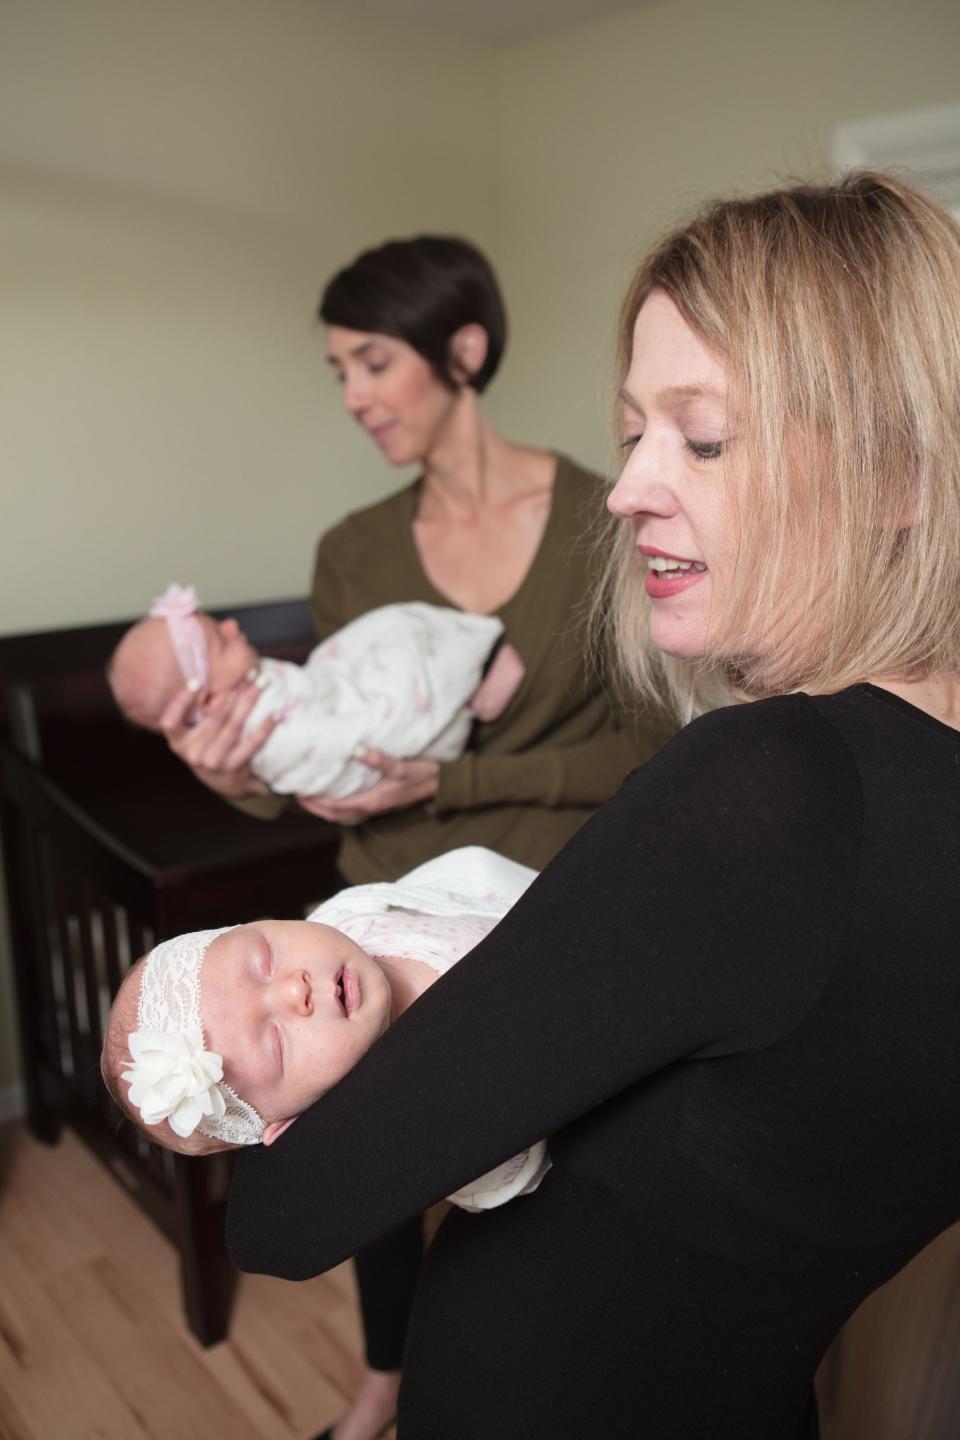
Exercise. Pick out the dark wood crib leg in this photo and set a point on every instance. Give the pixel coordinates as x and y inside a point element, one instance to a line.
<point>207,1275</point>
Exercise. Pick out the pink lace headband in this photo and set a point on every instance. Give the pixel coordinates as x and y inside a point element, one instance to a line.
<point>178,606</point>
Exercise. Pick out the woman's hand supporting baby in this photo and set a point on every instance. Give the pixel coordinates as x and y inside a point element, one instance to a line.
<point>215,748</point>
<point>402,783</point>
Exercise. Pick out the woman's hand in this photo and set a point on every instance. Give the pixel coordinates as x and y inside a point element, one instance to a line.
<point>216,748</point>
<point>402,783</point>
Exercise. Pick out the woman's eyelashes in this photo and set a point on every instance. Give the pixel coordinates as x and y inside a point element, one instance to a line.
<point>705,449</point>
<point>699,449</point>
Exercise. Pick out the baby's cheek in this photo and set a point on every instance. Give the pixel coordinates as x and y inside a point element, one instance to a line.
<point>339,1055</point>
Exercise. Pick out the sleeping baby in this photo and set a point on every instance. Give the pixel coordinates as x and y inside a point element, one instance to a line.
<point>405,679</point>
<point>287,1007</point>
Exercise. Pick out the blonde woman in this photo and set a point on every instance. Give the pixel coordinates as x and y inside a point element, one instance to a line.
<point>415,330</point>
<point>733,1000</point>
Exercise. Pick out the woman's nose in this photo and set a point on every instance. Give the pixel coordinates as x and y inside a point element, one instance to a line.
<point>641,489</point>
<point>355,395</point>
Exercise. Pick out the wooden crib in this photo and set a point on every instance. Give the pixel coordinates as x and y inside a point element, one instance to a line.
<point>109,845</point>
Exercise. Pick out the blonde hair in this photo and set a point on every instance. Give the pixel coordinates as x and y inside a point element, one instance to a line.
<point>836,310</point>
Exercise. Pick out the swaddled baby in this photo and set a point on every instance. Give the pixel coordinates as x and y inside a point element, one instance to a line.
<point>287,1007</point>
<point>405,679</point>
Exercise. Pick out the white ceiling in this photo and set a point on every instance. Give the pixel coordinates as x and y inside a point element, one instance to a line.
<point>497,22</point>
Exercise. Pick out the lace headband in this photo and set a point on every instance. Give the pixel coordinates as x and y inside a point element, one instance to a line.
<point>172,1076</point>
<point>178,606</point>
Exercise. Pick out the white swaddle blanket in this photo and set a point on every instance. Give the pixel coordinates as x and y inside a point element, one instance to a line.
<point>397,679</point>
<point>435,914</point>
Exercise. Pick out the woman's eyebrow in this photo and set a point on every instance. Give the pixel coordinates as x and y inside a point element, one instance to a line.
<point>680,394</point>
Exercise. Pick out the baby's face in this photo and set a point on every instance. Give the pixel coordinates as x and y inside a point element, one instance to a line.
<point>229,652</point>
<point>290,1006</point>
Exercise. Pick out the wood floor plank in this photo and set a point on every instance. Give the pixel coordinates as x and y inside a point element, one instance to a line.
<point>64,1192</point>
<point>13,1426</point>
<point>274,1341</point>
<point>48,1376</point>
<point>39,1217</point>
<point>153,1365</point>
<point>88,1255</point>
<point>93,1343</point>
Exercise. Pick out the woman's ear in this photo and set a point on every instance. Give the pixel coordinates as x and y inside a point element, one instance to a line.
<point>275,1128</point>
<point>468,351</point>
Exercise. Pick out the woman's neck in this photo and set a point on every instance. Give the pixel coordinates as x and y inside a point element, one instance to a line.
<point>408,979</point>
<point>472,468</point>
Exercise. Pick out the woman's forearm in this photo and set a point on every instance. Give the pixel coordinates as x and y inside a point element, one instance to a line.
<point>584,774</point>
<point>619,960</point>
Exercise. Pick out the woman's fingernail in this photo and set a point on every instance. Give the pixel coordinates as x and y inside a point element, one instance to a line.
<point>193,684</point>
<point>252,673</point>
<point>361,752</point>
<point>260,680</point>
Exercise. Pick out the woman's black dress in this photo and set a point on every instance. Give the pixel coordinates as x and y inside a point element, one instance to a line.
<point>733,1003</point>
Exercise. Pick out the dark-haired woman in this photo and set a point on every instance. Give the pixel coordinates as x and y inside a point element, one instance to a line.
<point>415,331</point>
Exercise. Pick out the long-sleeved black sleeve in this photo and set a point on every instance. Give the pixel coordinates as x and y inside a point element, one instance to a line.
<point>698,914</point>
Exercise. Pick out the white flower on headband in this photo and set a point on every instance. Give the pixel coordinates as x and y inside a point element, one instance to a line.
<point>176,602</point>
<point>174,1078</point>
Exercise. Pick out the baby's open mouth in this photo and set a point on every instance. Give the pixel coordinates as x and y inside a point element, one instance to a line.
<point>347,989</point>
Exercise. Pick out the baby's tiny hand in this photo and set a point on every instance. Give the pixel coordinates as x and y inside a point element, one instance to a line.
<point>215,747</point>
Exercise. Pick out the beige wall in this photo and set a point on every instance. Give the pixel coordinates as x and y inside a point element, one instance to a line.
<point>611,131</point>
<point>177,179</point>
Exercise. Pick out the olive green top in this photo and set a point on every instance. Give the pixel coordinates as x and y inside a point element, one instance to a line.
<point>530,778</point>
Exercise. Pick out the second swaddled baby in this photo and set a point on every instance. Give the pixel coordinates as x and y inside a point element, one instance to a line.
<point>404,679</point>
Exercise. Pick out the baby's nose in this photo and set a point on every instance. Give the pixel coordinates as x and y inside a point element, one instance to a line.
<point>296,992</point>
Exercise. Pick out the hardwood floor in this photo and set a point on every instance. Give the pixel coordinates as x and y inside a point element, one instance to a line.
<point>92,1342</point>
<point>93,1345</point>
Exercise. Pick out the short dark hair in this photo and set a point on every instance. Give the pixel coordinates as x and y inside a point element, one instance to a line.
<point>422,291</point>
